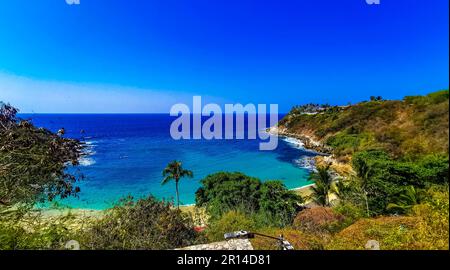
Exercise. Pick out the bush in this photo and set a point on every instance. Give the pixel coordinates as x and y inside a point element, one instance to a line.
<point>350,212</point>
<point>229,222</point>
<point>347,142</point>
<point>318,220</point>
<point>438,97</point>
<point>433,213</point>
<point>278,203</point>
<point>383,178</point>
<point>425,229</point>
<point>391,232</point>
<point>34,161</point>
<point>222,192</point>
<point>31,231</point>
<point>143,224</point>
<point>434,168</point>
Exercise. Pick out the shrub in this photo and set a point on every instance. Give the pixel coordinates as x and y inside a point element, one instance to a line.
<point>384,178</point>
<point>229,222</point>
<point>143,224</point>
<point>350,212</point>
<point>346,143</point>
<point>433,214</point>
<point>31,231</point>
<point>391,232</point>
<point>425,229</point>
<point>434,168</point>
<point>34,161</point>
<point>222,192</point>
<point>318,220</point>
<point>438,97</point>
<point>278,203</point>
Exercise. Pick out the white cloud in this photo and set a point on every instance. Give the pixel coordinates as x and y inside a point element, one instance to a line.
<point>38,96</point>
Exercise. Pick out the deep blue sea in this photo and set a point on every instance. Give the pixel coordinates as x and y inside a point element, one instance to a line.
<point>127,153</point>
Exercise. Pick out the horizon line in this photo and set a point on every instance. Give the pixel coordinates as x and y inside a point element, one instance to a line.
<point>114,113</point>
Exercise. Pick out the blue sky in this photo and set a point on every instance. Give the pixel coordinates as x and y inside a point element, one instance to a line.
<point>143,56</point>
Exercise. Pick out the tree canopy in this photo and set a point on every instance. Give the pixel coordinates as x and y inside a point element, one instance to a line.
<point>222,192</point>
<point>34,161</point>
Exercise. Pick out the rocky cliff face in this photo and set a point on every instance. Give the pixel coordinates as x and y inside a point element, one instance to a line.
<point>412,127</point>
<point>308,140</point>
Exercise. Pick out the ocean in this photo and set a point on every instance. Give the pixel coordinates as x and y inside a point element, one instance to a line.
<point>126,154</point>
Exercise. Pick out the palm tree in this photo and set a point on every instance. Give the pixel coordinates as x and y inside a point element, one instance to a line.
<point>322,185</point>
<point>363,173</point>
<point>404,200</point>
<point>174,171</point>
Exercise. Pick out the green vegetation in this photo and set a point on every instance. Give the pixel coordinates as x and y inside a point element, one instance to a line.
<point>143,224</point>
<point>398,194</point>
<point>424,227</point>
<point>397,191</point>
<point>385,180</point>
<point>33,162</point>
<point>30,230</point>
<point>271,202</point>
<point>174,171</point>
<point>229,222</point>
<point>318,220</point>
<point>34,167</point>
<point>146,223</point>
<point>322,185</point>
<point>406,129</point>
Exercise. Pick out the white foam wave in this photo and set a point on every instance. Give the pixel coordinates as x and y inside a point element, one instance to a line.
<point>89,151</point>
<point>306,163</point>
<point>91,142</point>
<point>296,143</point>
<point>86,161</point>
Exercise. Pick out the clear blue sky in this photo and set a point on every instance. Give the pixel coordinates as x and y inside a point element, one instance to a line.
<point>285,52</point>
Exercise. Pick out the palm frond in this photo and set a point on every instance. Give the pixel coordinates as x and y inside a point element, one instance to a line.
<point>167,179</point>
<point>187,173</point>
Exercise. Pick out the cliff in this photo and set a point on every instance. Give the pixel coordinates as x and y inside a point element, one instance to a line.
<point>408,128</point>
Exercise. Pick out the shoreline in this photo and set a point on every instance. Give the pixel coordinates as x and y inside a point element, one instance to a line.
<point>49,212</point>
<point>90,212</point>
<point>306,141</point>
<point>302,188</point>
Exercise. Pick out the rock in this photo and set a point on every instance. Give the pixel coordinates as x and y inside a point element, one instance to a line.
<point>372,245</point>
<point>72,245</point>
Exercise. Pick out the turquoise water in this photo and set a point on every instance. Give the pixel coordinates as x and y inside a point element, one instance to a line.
<point>127,153</point>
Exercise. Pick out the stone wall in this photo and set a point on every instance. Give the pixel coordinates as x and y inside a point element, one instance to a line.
<point>233,244</point>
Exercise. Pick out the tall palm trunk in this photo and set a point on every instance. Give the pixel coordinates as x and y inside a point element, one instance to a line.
<point>178,195</point>
<point>367,202</point>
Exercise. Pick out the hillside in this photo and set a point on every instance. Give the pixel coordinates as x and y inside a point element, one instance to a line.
<point>406,129</point>
<point>396,197</point>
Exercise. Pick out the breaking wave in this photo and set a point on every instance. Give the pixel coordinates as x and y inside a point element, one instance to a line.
<point>293,142</point>
<point>306,162</point>
<point>86,161</point>
<point>89,151</point>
